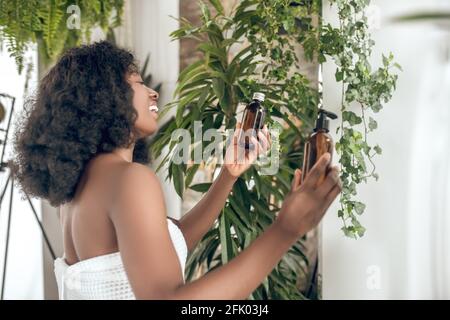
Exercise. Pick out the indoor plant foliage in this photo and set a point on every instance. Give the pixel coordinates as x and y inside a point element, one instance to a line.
<point>209,90</point>
<point>53,24</point>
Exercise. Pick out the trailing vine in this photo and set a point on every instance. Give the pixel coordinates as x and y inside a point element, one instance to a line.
<point>364,92</point>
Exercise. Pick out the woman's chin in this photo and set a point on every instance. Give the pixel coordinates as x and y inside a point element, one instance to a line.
<point>150,131</point>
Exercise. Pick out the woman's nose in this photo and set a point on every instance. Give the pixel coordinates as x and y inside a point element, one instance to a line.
<point>153,94</point>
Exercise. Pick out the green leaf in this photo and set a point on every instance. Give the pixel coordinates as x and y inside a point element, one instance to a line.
<point>339,75</point>
<point>359,207</point>
<point>234,218</point>
<point>239,208</point>
<point>360,230</point>
<point>213,51</point>
<point>178,177</point>
<point>218,87</point>
<point>349,231</point>
<point>198,65</point>
<point>377,149</point>
<point>225,102</point>
<point>198,79</point>
<point>179,116</point>
<point>237,58</point>
<point>203,96</point>
<point>190,173</point>
<point>351,118</point>
<point>227,42</point>
<point>218,121</point>
<point>385,61</point>
<point>225,239</point>
<point>372,124</point>
<point>206,14</point>
<point>376,107</point>
<point>396,65</point>
<point>144,67</point>
<point>201,187</point>
<point>217,5</point>
<point>220,75</point>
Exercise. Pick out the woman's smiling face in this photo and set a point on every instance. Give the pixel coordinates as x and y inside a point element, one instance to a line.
<point>145,102</point>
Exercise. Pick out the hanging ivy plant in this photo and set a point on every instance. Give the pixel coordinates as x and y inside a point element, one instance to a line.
<point>350,47</point>
<point>55,24</point>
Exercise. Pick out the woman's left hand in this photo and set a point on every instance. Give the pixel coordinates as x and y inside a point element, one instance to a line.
<point>238,159</point>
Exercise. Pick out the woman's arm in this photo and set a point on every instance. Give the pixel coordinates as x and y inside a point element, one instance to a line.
<point>150,259</point>
<point>196,222</point>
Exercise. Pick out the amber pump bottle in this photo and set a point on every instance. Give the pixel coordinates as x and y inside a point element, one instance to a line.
<point>252,119</point>
<point>318,143</point>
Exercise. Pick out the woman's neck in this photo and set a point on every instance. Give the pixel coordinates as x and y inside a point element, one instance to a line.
<point>125,153</point>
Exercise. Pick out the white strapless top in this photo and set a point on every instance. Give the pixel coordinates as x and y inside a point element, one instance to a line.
<point>104,277</point>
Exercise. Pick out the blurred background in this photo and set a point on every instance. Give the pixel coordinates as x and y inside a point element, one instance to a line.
<point>405,251</point>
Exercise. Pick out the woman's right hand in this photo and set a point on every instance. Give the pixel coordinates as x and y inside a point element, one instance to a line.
<point>307,202</point>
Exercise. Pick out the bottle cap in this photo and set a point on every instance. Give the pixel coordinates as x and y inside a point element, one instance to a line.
<point>322,121</point>
<point>259,96</point>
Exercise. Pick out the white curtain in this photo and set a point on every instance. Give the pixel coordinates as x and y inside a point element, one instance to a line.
<point>429,196</point>
<point>124,33</point>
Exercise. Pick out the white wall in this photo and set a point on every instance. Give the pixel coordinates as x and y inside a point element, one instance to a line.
<point>406,244</point>
<point>24,267</point>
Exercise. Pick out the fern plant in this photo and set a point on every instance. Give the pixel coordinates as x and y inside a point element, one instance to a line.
<point>46,22</point>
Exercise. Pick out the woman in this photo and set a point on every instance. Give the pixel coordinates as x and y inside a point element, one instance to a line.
<point>75,148</point>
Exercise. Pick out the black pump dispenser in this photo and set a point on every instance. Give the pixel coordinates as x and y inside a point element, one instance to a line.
<point>318,143</point>
<point>322,121</point>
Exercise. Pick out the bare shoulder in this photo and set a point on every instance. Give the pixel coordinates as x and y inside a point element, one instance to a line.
<point>133,171</point>
<point>138,179</point>
<point>137,188</point>
<point>107,165</point>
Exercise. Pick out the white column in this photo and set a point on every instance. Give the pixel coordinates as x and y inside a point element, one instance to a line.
<point>152,25</point>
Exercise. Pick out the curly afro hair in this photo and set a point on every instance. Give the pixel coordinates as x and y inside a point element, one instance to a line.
<point>83,107</point>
